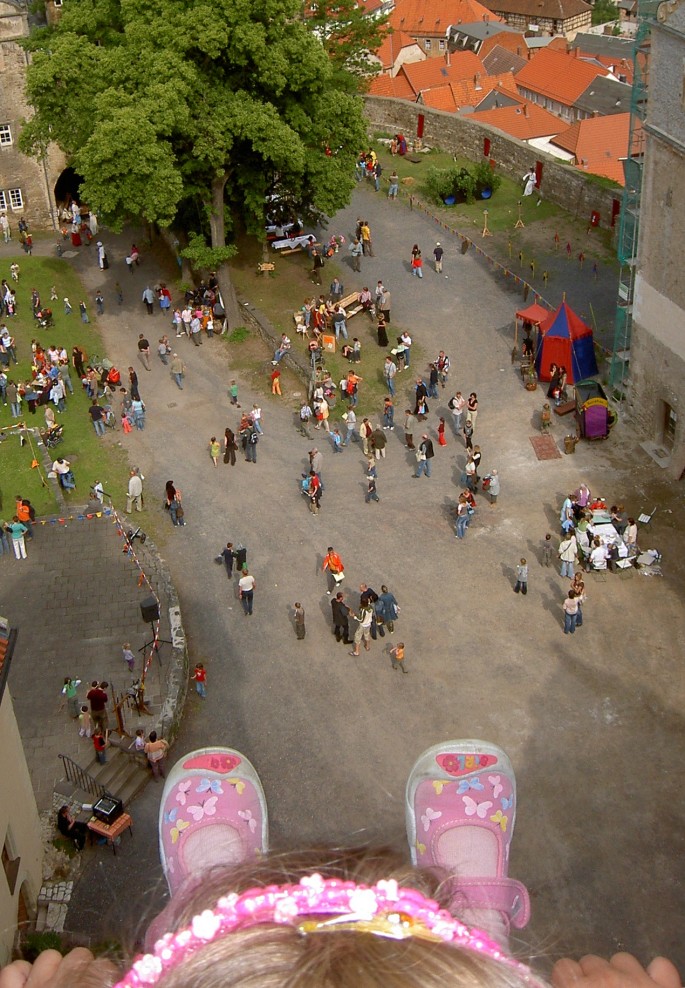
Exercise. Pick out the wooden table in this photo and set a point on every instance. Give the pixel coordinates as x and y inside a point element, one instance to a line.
<point>110,831</point>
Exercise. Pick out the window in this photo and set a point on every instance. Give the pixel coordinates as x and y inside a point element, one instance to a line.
<point>5,134</point>
<point>441,44</point>
<point>3,201</point>
<point>16,199</point>
<point>427,44</point>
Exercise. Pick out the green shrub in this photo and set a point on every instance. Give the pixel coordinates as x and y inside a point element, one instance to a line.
<point>486,177</point>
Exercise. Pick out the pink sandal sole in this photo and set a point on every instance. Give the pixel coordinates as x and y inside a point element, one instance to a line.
<point>467,784</point>
<point>215,791</point>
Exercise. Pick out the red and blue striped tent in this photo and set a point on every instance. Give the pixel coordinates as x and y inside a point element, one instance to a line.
<point>565,340</point>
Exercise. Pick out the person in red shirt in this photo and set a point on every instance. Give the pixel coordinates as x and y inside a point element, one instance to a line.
<point>200,678</point>
<point>99,744</point>
<point>275,381</point>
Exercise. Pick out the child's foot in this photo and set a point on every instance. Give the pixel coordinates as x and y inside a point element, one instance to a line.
<point>460,806</point>
<point>213,812</point>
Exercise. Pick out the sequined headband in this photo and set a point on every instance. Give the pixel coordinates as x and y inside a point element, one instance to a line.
<point>384,910</point>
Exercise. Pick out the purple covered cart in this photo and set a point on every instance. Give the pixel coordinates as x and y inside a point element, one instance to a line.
<point>592,410</point>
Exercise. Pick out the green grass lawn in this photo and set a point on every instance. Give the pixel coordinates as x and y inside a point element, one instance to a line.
<point>92,459</point>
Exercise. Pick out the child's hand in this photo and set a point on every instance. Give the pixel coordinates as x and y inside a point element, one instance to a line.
<point>621,971</point>
<point>51,970</point>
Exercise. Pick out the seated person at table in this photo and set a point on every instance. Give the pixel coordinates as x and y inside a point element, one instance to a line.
<point>599,555</point>
<point>69,827</point>
<point>618,518</point>
<point>599,504</point>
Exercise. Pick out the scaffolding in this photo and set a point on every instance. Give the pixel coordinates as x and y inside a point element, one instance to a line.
<point>629,223</point>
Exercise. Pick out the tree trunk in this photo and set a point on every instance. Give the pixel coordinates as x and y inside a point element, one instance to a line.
<point>218,230</point>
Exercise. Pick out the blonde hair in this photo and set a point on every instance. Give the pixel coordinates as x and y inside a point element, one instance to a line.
<point>277,956</point>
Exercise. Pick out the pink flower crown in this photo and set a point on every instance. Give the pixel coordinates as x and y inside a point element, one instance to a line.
<point>384,910</point>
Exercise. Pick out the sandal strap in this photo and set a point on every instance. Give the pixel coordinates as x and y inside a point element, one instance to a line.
<point>502,894</point>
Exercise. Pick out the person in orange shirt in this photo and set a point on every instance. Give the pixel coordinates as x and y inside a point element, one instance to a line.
<point>334,564</point>
<point>353,382</point>
<point>24,511</point>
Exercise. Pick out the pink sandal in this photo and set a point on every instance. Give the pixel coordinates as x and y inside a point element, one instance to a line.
<point>213,812</point>
<point>460,805</point>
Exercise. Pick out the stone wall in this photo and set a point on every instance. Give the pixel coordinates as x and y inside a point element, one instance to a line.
<point>561,184</point>
<point>36,179</point>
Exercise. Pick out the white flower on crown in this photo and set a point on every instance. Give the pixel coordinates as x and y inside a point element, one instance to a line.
<point>285,910</point>
<point>206,925</point>
<point>227,902</point>
<point>390,889</point>
<point>364,903</point>
<point>148,968</point>
<point>313,883</point>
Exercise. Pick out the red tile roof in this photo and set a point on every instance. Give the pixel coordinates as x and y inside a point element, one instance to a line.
<point>441,71</point>
<point>422,18</point>
<point>385,85</point>
<point>468,93</point>
<point>598,143</point>
<point>557,76</point>
<point>393,43</point>
<point>523,122</point>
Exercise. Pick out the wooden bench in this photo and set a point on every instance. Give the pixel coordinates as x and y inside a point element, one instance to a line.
<point>266,267</point>
<point>353,301</point>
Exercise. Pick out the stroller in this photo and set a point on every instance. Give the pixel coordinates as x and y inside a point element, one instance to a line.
<point>52,437</point>
<point>45,318</point>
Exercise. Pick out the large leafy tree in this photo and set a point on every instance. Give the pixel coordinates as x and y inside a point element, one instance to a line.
<point>158,103</point>
<point>350,35</point>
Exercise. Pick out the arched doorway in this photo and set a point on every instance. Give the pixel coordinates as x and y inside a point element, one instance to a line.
<point>67,187</point>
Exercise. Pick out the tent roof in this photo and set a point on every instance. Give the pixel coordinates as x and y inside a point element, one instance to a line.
<point>534,313</point>
<point>565,323</point>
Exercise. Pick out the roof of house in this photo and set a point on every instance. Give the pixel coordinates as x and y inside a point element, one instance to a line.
<point>500,59</point>
<point>557,76</point>
<point>440,71</point>
<point>392,45</point>
<point>559,10</point>
<point>482,29</point>
<point>433,17</point>
<point>524,122</point>
<point>468,93</point>
<point>386,85</point>
<point>599,144</point>
<point>603,44</point>
<point>605,97</point>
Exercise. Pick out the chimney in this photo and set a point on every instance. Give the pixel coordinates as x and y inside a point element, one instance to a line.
<point>525,109</point>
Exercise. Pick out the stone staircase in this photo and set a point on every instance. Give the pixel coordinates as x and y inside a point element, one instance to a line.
<point>123,775</point>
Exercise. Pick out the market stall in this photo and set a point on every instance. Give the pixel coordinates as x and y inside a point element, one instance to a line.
<point>592,410</point>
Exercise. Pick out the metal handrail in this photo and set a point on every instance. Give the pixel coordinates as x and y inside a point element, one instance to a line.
<point>79,777</point>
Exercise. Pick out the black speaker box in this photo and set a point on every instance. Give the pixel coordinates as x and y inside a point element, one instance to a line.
<point>149,609</point>
<point>108,809</point>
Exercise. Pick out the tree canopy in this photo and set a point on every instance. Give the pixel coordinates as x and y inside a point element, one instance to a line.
<point>161,102</point>
<point>350,36</point>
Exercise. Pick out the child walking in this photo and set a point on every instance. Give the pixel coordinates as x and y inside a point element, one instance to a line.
<point>397,656</point>
<point>372,490</point>
<point>84,722</point>
<point>214,450</point>
<point>233,392</point>
<point>128,656</point>
<point>441,433</point>
<point>200,678</point>
<point>99,744</point>
<point>547,550</point>
<point>521,578</point>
